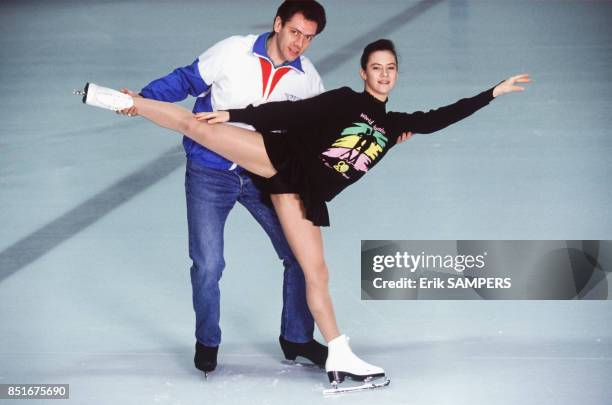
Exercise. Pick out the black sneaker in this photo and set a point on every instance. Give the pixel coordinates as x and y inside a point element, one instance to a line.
<point>313,351</point>
<point>205,357</point>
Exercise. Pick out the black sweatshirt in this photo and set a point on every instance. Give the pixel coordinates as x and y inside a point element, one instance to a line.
<point>339,135</point>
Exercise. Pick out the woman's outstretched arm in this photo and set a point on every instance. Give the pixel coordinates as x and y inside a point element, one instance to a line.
<point>239,145</point>
<point>435,120</point>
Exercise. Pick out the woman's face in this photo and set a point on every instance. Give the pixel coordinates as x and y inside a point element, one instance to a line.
<point>380,74</point>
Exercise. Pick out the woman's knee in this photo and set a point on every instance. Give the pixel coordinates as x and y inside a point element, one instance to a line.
<point>194,128</point>
<point>316,275</point>
<point>317,290</point>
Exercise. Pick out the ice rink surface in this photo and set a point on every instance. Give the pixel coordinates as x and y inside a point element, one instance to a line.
<point>94,280</point>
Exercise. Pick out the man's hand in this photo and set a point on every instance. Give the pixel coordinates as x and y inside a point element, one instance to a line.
<point>404,137</point>
<point>130,112</point>
<point>215,117</point>
<point>509,85</point>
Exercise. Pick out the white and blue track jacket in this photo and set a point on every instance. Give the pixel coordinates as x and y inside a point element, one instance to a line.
<point>234,73</point>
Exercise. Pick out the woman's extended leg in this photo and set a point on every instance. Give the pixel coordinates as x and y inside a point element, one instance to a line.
<point>306,243</point>
<point>239,145</point>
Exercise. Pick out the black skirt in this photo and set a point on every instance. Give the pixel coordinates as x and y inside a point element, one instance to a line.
<point>292,177</point>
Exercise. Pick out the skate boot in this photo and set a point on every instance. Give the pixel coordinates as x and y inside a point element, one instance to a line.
<point>342,364</point>
<point>313,351</point>
<point>205,358</point>
<point>104,97</point>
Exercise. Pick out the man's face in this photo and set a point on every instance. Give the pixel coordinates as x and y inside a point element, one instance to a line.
<point>294,36</point>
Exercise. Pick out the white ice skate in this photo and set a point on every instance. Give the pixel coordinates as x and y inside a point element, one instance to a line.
<point>342,364</point>
<point>104,97</point>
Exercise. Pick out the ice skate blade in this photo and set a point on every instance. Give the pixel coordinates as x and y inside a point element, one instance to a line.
<point>367,385</point>
<point>82,93</point>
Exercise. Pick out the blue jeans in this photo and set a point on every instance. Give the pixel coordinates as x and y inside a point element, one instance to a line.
<point>211,194</point>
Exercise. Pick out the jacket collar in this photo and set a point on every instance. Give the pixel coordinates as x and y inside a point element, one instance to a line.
<point>259,49</point>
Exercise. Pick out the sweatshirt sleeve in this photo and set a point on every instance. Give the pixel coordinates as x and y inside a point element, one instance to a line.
<point>434,120</point>
<point>284,115</point>
<point>176,86</point>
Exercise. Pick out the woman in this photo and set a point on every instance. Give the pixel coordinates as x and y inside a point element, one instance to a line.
<point>308,151</point>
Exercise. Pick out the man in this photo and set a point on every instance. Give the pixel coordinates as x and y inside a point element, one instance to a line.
<point>234,73</point>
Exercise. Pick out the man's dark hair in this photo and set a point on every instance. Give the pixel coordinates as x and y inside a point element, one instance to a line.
<point>311,10</point>
<point>380,45</point>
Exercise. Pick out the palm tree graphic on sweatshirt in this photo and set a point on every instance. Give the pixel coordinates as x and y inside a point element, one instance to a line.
<point>357,148</point>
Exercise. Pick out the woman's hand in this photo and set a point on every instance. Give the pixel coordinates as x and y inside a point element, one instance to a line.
<point>214,117</point>
<point>509,86</point>
<point>404,137</point>
<point>132,111</point>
